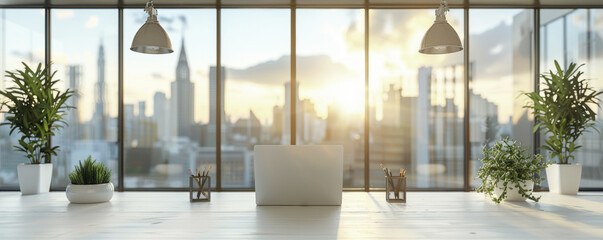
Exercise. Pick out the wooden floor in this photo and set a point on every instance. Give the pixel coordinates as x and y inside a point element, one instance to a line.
<point>426,215</point>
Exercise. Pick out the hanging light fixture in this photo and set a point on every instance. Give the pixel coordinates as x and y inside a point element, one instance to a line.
<point>151,38</point>
<point>441,37</point>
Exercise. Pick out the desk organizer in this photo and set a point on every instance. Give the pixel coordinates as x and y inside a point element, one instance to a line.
<point>199,188</point>
<point>395,189</point>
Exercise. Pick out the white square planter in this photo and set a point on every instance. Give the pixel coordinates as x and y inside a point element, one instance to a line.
<point>564,178</point>
<point>513,195</point>
<point>34,178</point>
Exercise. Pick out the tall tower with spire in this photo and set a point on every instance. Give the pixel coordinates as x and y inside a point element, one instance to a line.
<point>99,118</point>
<point>183,96</point>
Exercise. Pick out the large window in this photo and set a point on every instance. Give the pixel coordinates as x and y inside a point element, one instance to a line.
<point>331,83</point>
<point>501,68</point>
<point>166,100</point>
<point>568,36</point>
<point>87,65</point>
<point>21,40</point>
<point>255,84</point>
<point>176,107</point>
<point>416,101</point>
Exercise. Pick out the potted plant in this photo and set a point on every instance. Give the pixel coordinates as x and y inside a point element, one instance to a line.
<point>34,110</point>
<point>563,111</point>
<point>90,183</point>
<point>509,172</point>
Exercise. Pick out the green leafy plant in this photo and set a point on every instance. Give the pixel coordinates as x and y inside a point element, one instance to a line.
<point>90,172</point>
<point>562,110</point>
<point>35,109</point>
<point>508,163</point>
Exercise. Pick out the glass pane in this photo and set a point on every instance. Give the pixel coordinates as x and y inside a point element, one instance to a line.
<point>552,42</point>
<point>575,36</point>
<point>256,61</point>
<point>501,68</point>
<point>330,77</point>
<point>166,100</point>
<point>416,101</point>
<point>21,40</point>
<point>552,45</point>
<point>86,64</point>
<point>591,154</point>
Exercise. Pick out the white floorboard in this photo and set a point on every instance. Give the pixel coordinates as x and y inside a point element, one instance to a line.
<point>234,215</point>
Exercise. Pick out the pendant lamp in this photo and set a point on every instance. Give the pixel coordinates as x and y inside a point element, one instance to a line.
<point>441,37</point>
<point>151,38</point>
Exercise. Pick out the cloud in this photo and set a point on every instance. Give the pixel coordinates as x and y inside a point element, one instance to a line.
<point>202,73</point>
<point>397,35</point>
<point>392,33</point>
<point>496,52</point>
<point>315,71</point>
<point>492,52</point>
<point>168,22</point>
<point>183,20</point>
<point>92,22</point>
<point>64,13</point>
<point>158,76</point>
<point>22,55</point>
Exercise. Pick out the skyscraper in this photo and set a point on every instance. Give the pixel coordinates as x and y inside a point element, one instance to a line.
<point>129,126</point>
<point>99,118</point>
<point>422,139</point>
<point>286,139</point>
<point>161,114</point>
<point>523,32</point>
<point>73,131</point>
<point>183,96</point>
<point>213,92</point>
<point>391,107</point>
<point>276,128</point>
<point>308,122</point>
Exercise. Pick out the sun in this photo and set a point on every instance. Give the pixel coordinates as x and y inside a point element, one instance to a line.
<point>350,98</point>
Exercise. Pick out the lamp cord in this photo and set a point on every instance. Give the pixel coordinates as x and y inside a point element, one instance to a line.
<point>441,11</point>
<point>150,9</point>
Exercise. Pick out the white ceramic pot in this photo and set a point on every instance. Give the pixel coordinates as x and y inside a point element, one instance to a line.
<point>92,193</point>
<point>564,178</point>
<point>34,178</point>
<point>513,194</point>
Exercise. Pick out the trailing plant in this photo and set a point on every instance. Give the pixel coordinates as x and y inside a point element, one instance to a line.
<point>34,109</point>
<point>562,110</point>
<point>508,165</point>
<point>90,172</point>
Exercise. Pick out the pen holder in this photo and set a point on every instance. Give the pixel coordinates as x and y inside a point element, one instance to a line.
<point>395,189</point>
<point>199,189</point>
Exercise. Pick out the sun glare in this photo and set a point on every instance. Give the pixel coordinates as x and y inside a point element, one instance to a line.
<point>349,98</point>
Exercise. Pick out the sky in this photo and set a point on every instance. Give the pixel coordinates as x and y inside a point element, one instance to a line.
<point>255,51</point>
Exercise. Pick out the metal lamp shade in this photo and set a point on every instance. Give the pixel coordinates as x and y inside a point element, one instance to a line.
<point>151,38</point>
<point>440,38</point>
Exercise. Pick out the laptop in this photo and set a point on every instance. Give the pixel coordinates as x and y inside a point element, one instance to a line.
<point>298,175</point>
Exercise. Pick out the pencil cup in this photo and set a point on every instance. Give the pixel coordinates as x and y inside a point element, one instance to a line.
<point>395,189</point>
<point>199,189</point>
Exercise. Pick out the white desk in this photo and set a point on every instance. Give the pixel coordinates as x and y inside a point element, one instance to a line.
<point>430,215</point>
